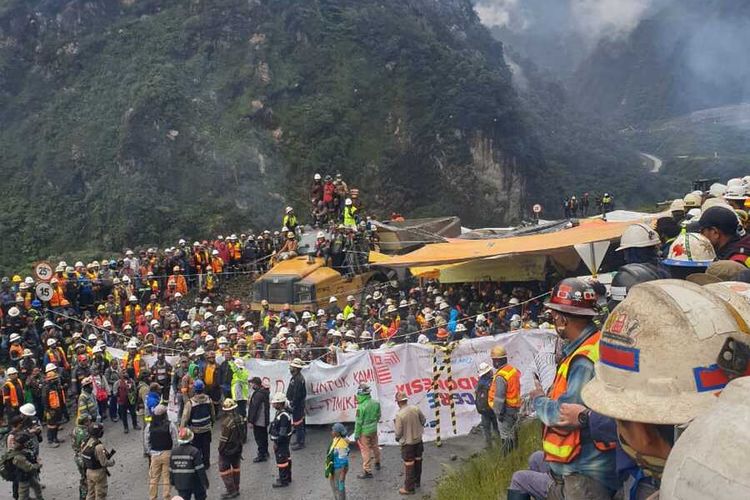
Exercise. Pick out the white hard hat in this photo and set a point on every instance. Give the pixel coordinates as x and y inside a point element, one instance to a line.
<point>222,328</point>
<point>92,336</point>
<point>692,200</point>
<point>638,236</point>
<point>481,318</point>
<point>297,363</point>
<point>223,341</point>
<point>677,205</point>
<point>422,339</point>
<point>365,335</point>
<point>132,344</point>
<point>11,371</point>
<point>209,338</point>
<point>350,316</point>
<point>29,280</point>
<point>715,202</point>
<point>288,209</point>
<point>208,315</point>
<point>443,305</point>
<point>392,309</point>
<point>340,317</point>
<point>184,324</point>
<point>50,367</point>
<point>690,250</point>
<point>334,333</point>
<point>200,351</point>
<point>484,368</point>
<point>220,309</point>
<point>332,300</point>
<point>97,348</point>
<point>316,177</point>
<point>710,456</point>
<point>658,351</point>
<point>284,331</point>
<point>239,362</point>
<point>350,334</point>
<point>460,327</point>
<point>321,234</point>
<point>279,397</point>
<point>196,325</point>
<point>28,409</point>
<point>51,342</point>
<point>14,311</point>
<point>735,192</point>
<point>514,301</point>
<point>306,315</point>
<point>377,295</point>
<point>734,182</point>
<point>154,322</point>
<point>78,264</point>
<point>107,324</point>
<point>14,337</point>
<point>717,190</point>
<point>348,202</point>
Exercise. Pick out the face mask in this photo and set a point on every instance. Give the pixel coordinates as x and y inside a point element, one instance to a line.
<point>653,444</point>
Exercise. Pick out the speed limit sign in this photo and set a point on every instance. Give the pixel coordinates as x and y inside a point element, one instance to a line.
<point>43,271</point>
<point>44,292</point>
<point>537,208</point>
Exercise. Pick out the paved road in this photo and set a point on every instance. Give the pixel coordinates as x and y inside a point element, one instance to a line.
<point>130,475</point>
<point>656,163</point>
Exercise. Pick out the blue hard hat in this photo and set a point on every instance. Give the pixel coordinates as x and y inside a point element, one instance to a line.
<point>36,303</point>
<point>198,385</point>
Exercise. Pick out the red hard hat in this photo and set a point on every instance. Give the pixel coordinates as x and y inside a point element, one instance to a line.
<point>573,296</point>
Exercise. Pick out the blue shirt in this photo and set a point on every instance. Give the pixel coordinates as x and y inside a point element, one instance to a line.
<point>591,462</point>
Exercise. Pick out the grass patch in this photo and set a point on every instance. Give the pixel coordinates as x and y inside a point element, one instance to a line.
<point>487,474</point>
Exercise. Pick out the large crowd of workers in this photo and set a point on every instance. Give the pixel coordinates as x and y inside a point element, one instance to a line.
<point>640,365</point>
<point>154,304</point>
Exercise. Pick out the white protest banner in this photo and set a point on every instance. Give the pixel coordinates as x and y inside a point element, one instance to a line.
<point>332,389</point>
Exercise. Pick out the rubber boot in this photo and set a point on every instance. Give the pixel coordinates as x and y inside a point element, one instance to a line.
<point>236,477</point>
<point>228,479</point>
<point>517,495</point>
<point>417,473</point>
<point>408,488</point>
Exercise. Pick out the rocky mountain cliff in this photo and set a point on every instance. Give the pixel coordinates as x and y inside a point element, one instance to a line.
<point>140,121</point>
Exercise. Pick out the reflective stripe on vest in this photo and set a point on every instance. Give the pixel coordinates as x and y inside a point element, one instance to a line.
<point>200,414</point>
<point>563,445</point>
<point>12,398</point>
<point>512,378</point>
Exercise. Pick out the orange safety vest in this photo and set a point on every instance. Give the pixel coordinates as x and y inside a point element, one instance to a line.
<point>57,357</point>
<point>55,398</point>
<point>155,310</point>
<point>136,363</point>
<point>512,378</point>
<point>560,444</point>
<point>130,313</point>
<point>217,265</point>
<point>11,400</point>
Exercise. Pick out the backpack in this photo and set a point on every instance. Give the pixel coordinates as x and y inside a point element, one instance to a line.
<point>481,397</point>
<point>7,469</point>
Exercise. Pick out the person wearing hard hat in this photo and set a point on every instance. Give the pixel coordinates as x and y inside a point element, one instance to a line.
<point>13,395</point>
<point>132,358</point>
<point>233,435</point>
<point>677,209</point>
<point>53,397</point>
<point>481,401</point>
<point>176,282</point>
<point>161,373</point>
<point>658,365</point>
<point>87,404</point>
<point>296,395</point>
<point>199,416</point>
<point>722,228</point>
<point>709,460</point>
<point>159,437</point>
<point>689,253</point>
<point>280,432</point>
<point>187,469</point>
<point>409,428</point>
<point>25,466</point>
<point>366,430</point>
<point>504,397</point>
<point>582,467</point>
<point>289,221</point>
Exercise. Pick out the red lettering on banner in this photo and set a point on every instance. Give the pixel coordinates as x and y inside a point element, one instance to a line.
<point>364,376</point>
<point>425,384</point>
<point>335,403</point>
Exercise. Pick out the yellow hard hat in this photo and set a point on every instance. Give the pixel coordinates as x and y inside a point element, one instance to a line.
<point>17,279</point>
<point>498,352</point>
<point>658,351</point>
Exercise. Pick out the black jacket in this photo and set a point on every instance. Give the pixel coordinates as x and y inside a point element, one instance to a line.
<point>258,410</point>
<point>296,394</point>
<point>186,470</point>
